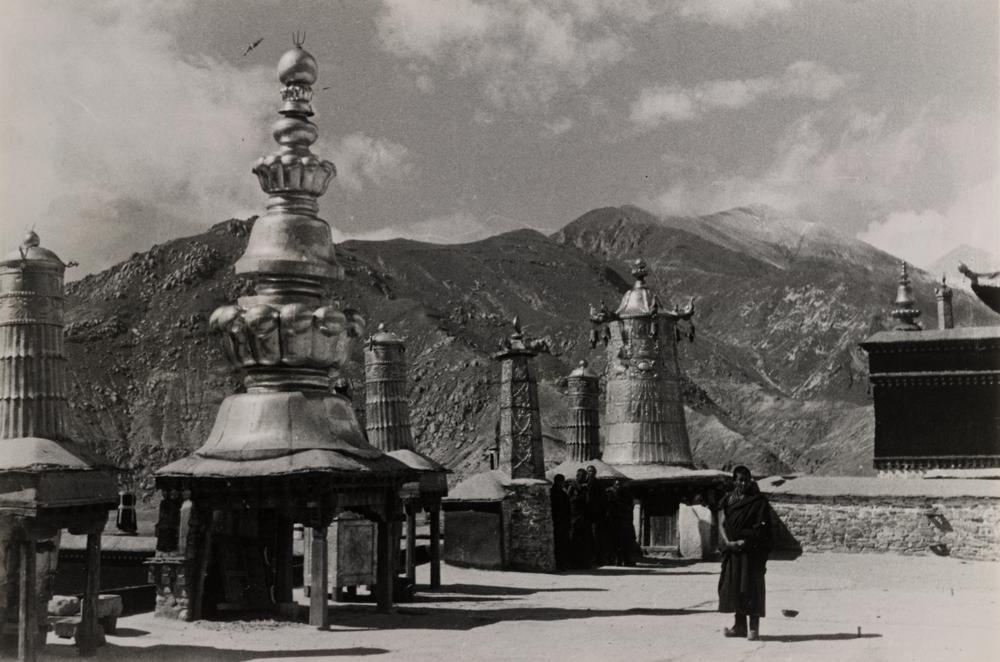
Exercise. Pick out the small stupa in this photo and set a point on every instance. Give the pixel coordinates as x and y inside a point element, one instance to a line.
<point>47,481</point>
<point>289,449</point>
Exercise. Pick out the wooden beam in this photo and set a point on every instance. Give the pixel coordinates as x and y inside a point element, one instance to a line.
<point>87,637</point>
<point>27,626</point>
<point>318,609</point>
<point>435,515</point>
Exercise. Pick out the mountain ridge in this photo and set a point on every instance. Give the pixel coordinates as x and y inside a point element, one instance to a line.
<point>147,377</point>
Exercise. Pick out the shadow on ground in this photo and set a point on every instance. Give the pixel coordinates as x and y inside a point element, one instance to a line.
<point>638,570</point>
<point>646,565</point>
<point>431,618</point>
<point>664,562</point>
<point>423,598</point>
<point>182,653</point>
<point>481,589</point>
<point>839,636</point>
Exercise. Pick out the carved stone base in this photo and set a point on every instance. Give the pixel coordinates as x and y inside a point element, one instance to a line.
<point>527,518</point>
<point>170,575</point>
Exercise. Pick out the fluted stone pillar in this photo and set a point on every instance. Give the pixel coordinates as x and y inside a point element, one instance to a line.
<point>387,408</point>
<point>584,418</point>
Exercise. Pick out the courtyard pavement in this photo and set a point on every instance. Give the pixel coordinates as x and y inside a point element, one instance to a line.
<point>905,608</point>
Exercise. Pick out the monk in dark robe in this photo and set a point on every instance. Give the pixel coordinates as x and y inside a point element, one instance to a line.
<point>560,521</point>
<point>597,513</point>
<point>745,544</point>
<point>581,541</point>
<point>620,507</point>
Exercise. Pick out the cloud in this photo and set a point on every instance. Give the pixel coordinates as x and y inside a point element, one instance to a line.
<point>663,104</point>
<point>522,54</point>
<point>113,140</point>
<point>922,237</point>
<point>116,140</point>
<point>560,125</point>
<point>672,103</point>
<point>914,183</point>
<point>425,29</point>
<point>457,228</point>
<point>424,83</point>
<point>736,14</point>
<point>362,160</point>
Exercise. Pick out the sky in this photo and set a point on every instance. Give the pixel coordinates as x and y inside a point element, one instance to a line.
<point>126,123</point>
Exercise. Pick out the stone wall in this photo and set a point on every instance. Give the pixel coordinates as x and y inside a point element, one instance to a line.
<point>964,527</point>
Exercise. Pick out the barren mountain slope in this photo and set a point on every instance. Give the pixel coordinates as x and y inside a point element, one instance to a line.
<point>774,377</point>
<point>147,377</point>
<point>781,306</point>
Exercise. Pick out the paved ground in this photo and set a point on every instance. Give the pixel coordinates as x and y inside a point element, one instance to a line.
<point>907,608</point>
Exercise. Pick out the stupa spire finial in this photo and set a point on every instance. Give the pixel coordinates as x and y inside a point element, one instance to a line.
<point>905,309</point>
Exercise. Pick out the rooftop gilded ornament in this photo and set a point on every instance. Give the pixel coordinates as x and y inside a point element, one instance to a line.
<point>290,242</point>
<point>518,343</point>
<point>644,422</point>
<point>905,310</point>
<point>288,336</point>
<point>290,448</point>
<point>283,336</point>
<point>638,302</point>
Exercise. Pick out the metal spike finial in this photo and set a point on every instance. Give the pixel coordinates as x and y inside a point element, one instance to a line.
<point>945,312</point>
<point>299,38</point>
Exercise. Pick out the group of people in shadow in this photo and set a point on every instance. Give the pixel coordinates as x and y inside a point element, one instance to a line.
<point>592,522</point>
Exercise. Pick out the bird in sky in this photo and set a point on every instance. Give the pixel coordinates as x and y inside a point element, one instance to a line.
<point>252,46</point>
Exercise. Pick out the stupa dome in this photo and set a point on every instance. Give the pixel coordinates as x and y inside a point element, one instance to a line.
<point>297,67</point>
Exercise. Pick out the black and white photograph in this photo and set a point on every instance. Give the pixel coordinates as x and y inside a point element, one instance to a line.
<point>500,330</point>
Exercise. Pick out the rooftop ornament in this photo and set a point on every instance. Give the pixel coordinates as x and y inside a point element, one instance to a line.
<point>644,421</point>
<point>47,482</point>
<point>640,301</point>
<point>988,294</point>
<point>520,425</point>
<point>905,311</point>
<point>290,448</point>
<point>387,422</point>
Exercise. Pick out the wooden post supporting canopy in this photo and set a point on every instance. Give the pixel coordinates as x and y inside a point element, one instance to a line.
<point>435,517</point>
<point>318,613</point>
<point>411,546</point>
<point>283,546</point>
<point>385,558</point>
<point>204,517</point>
<point>87,635</point>
<point>27,630</point>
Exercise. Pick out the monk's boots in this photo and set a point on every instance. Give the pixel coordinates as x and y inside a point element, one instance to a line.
<point>753,634</point>
<point>739,628</point>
